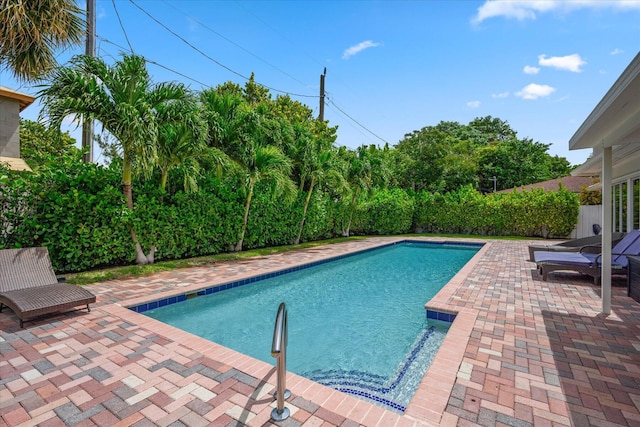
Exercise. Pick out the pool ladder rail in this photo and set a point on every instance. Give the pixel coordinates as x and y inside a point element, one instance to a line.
<point>279,351</point>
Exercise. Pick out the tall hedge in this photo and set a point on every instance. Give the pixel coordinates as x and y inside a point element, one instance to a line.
<point>78,212</point>
<point>75,210</point>
<point>384,212</point>
<point>533,213</point>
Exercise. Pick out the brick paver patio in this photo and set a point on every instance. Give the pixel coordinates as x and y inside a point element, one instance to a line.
<point>521,352</point>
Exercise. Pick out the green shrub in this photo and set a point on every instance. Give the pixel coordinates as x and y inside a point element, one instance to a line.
<point>385,212</point>
<point>75,209</point>
<point>528,213</point>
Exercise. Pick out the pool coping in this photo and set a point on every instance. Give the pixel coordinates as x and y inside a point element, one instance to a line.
<point>429,402</point>
<point>154,303</point>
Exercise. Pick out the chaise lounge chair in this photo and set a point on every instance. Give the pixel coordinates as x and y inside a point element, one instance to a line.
<point>593,242</point>
<point>30,288</point>
<point>589,263</point>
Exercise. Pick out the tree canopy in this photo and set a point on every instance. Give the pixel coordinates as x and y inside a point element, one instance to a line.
<point>259,152</point>
<point>450,155</point>
<point>33,30</point>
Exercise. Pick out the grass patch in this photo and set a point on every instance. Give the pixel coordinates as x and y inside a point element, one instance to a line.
<point>113,273</point>
<point>123,272</point>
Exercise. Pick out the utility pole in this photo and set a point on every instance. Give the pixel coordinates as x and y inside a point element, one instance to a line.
<point>321,116</point>
<point>90,50</point>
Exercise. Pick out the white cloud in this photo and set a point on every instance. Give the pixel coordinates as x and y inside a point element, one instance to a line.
<point>473,104</point>
<point>535,91</point>
<point>353,50</point>
<point>617,51</point>
<point>530,9</point>
<point>569,62</point>
<point>500,95</point>
<point>528,69</point>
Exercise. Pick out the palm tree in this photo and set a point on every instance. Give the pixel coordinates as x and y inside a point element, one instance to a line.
<point>237,128</point>
<point>181,141</point>
<point>264,163</point>
<point>322,170</point>
<point>32,30</point>
<point>358,176</point>
<point>126,102</point>
<point>315,158</point>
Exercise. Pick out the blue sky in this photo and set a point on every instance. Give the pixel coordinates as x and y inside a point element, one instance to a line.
<point>392,66</point>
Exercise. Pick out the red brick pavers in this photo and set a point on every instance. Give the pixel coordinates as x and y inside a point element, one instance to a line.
<point>520,352</point>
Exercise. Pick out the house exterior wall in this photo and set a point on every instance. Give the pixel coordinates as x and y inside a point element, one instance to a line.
<point>625,196</point>
<point>9,127</point>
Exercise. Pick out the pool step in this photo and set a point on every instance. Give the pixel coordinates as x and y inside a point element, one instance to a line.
<point>371,386</point>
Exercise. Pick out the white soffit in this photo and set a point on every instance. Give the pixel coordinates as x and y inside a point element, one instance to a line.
<point>623,155</point>
<point>616,118</point>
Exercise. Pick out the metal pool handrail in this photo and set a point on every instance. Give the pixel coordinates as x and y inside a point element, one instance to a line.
<point>279,351</point>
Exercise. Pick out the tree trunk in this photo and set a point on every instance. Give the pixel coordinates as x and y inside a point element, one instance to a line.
<point>238,246</point>
<point>163,179</point>
<point>304,211</point>
<point>127,189</point>
<point>128,194</point>
<point>345,233</point>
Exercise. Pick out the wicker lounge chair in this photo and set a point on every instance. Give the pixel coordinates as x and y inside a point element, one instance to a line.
<point>575,245</point>
<point>30,288</point>
<point>589,263</point>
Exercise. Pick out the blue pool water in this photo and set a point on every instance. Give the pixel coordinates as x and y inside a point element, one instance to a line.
<point>357,324</point>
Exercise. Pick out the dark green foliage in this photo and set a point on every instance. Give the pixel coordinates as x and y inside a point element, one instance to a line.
<point>272,221</point>
<point>74,209</point>
<point>38,144</point>
<point>449,155</point>
<point>190,225</point>
<point>319,222</point>
<point>385,212</point>
<point>78,212</point>
<point>520,162</point>
<point>528,213</point>
<point>243,193</point>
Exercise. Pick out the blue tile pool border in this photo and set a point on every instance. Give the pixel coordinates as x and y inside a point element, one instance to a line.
<point>440,315</point>
<point>431,314</point>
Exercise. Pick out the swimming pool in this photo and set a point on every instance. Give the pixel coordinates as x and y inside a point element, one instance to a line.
<point>333,310</point>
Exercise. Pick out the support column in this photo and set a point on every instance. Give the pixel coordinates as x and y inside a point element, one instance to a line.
<point>607,230</point>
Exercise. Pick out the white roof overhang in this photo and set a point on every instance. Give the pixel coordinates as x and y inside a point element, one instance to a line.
<point>614,122</point>
<point>612,130</point>
<point>616,118</point>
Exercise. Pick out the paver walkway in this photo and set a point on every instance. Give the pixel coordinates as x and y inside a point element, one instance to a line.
<point>521,352</point>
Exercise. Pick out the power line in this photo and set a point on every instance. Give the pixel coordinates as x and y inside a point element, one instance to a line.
<point>330,100</point>
<point>150,61</point>
<point>355,121</point>
<point>332,104</point>
<point>121,26</point>
<point>266,24</point>
<point>257,17</point>
<point>212,59</point>
<point>349,122</point>
<point>237,45</point>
